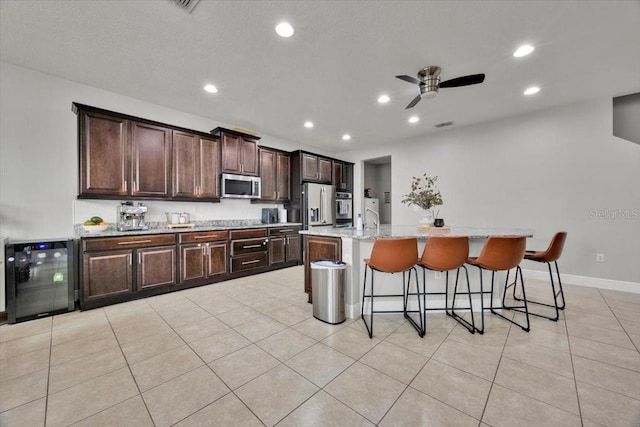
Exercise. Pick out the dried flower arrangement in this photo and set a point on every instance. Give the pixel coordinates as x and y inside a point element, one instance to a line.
<point>424,192</point>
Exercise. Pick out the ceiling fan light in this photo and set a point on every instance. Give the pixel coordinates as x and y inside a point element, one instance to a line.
<point>430,94</point>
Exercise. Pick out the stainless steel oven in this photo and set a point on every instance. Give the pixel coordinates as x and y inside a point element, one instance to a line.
<point>343,208</point>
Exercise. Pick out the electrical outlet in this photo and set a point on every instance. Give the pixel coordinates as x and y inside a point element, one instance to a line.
<point>437,275</point>
<point>599,257</point>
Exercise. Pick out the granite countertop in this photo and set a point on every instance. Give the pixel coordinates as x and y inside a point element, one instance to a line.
<point>412,231</point>
<point>160,227</point>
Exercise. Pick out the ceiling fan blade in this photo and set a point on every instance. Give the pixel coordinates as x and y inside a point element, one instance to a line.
<point>414,102</point>
<point>409,79</point>
<point>463,81</point>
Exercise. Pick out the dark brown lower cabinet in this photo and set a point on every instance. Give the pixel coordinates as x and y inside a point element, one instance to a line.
<point>317,248</point>
<point>116,269</point>
<point>203,256</point>
<point>284,245</point>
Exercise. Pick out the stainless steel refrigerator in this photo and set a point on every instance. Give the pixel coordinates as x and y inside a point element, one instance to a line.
<point>318,205</point>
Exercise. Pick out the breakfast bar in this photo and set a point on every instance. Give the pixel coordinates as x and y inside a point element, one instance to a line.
<point>353,246</point>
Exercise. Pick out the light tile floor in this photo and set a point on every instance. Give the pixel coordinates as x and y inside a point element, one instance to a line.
<point>248,352</point>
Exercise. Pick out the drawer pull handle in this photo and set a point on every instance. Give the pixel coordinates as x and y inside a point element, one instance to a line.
<point>251,262</point>
<point>252,246</point>
<point>134,243</point>
<point>211,236</point>
<point>288,230</point>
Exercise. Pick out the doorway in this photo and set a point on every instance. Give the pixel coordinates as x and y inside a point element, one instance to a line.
<point>377,177</point>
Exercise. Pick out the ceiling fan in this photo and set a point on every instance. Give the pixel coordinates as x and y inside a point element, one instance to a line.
<point>429,83</point>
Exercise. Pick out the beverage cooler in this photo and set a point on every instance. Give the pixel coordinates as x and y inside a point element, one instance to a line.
<point>39,278</point>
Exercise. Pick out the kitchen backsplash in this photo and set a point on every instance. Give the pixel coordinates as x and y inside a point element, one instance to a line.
<point>227,209</point>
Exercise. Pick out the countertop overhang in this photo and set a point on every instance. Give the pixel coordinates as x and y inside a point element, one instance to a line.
<point>395,230</point>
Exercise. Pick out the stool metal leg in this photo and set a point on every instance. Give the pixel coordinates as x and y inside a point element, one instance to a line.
<point>471,327</point>
<point>559,293</point>
<point>513,308</point>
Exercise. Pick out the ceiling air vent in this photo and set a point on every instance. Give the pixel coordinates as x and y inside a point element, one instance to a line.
<point>186,5</point>
<point>444,124</point>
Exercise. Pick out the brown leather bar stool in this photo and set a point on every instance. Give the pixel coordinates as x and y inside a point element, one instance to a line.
<point>443,253</point>
<point>501,254</point>
<point>392,255</point>
<point>552,254</point>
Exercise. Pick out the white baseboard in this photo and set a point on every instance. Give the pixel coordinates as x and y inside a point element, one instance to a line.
<point>590,282</point>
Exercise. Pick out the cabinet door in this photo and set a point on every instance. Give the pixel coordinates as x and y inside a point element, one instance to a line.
<point>309,167</point>
<point>185,164</point>
<point>324,170</point>
<point>231,153</point>
<point>151,160</point>
<point>276,250</point>
<point>209,168</point>
<point>106,274</point>
<point>283,172</point>
<point>347,172</point>
<point>337,175</point>
<point>156,267</point>
<point>103,154</point>
<point>268,174</point>
<point>218,257</point>
<point>316,248</point>
<point>192,262</point>
<point>293,248</point>
<point>249,157</point>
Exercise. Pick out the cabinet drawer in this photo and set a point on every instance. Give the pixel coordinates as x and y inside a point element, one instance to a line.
<point>202,236</point>
<point>239,247</point>
<point>247,234</point>
<point>283,231</point>
<point>139,241</point>
<point>247,262</point>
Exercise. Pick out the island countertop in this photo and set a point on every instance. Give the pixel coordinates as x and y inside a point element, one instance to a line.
<point>399,230</point>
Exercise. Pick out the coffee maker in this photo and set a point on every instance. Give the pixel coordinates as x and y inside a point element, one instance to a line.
<point>131,216</point>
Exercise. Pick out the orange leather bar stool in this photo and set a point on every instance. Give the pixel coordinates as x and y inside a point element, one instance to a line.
<point>501,254</point>
<point>552,254</point>
<point>444,254</point>
<point>392,255</point>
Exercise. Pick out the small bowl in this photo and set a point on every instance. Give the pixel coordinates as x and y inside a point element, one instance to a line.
<point>95,228</point>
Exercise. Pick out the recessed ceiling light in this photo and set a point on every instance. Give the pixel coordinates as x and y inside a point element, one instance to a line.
<point>523,50</point>
<point>284,29</point>
<point>308,124</point>
<point>531,90</point>
<point>211,89</point>
<point>383,99</point>
<point>414,119</point>
<point>346,137</point>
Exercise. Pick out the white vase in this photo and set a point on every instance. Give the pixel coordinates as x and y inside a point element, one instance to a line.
<point>427,217</point>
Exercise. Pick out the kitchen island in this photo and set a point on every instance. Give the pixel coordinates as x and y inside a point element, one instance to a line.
<point>353,246</point>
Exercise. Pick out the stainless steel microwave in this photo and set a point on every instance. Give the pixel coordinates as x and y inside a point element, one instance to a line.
<point>240,186</point>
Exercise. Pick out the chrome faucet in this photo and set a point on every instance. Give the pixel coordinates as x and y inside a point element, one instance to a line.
<point>377,222</point>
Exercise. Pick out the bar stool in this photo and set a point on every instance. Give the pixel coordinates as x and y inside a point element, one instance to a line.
<point>392,255</point>
<point>442,253</point>
<point>501,254</point>
<point>552,254</point>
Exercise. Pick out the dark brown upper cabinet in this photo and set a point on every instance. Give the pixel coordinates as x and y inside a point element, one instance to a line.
<point>122,157</point>
<point>239,151</point>
<point>316,168</point>
<point>342,176</point>
<point>196,168</point>
<point>275,175</point>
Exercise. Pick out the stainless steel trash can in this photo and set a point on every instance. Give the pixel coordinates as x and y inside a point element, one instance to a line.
<point>327,287</point>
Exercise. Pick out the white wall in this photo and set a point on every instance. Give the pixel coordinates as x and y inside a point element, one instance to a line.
<point>559,169</point>
<point>39,157</point>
